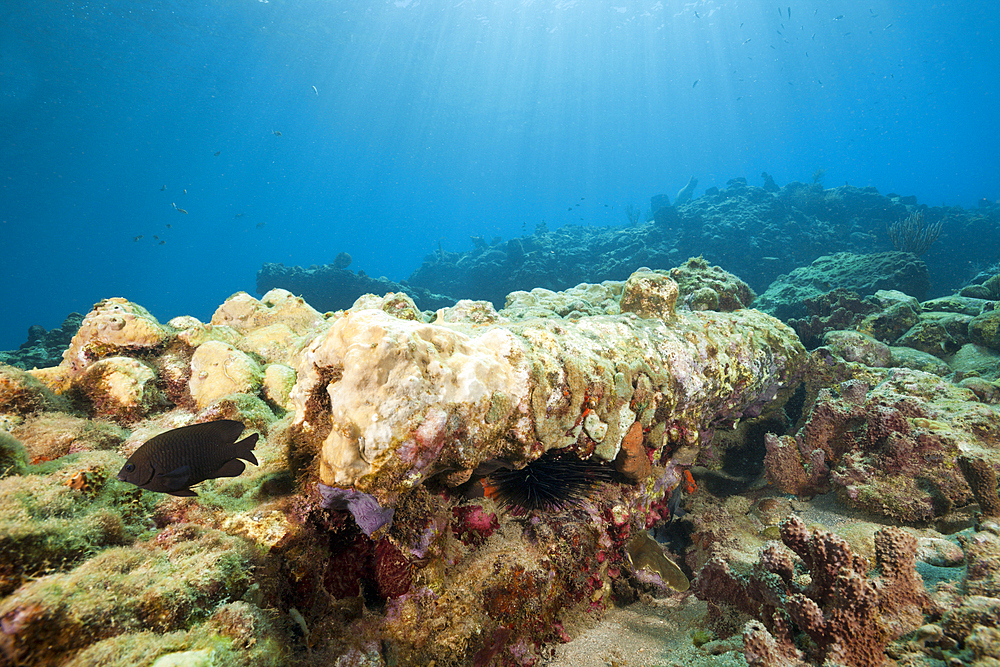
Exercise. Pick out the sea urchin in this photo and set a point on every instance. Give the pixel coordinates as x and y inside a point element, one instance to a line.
<point>554,480</point>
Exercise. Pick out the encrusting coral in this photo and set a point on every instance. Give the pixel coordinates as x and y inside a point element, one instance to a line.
<point>849,613</point>
<point>885,439</point>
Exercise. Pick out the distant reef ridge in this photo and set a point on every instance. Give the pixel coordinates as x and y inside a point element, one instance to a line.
<point>333,287</point>
<point>757,233</point>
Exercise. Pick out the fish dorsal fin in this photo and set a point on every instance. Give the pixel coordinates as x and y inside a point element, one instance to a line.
<point>221,431</point>
<point>226,430</point>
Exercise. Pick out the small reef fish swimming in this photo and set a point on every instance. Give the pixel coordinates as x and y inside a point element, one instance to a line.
<point>276,133</point>
<point>174,461</point>
<point>163,188</point>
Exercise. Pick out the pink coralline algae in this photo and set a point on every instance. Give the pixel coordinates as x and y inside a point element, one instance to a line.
<point>849,613</point>
<point>888,449</point>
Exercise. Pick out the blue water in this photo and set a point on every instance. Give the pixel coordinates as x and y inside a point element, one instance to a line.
<point>434,120</point>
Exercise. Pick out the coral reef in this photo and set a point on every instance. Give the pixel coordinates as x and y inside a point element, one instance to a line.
<point>849,613</point>
<point>886,443</point>
<point>781,229</point>
<point>43,348</point>
<point>396,515</point>
<point>864,274</point>
<point>410,416</point>
<point>334,287</point>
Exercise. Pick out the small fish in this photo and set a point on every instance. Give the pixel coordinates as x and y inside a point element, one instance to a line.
<point>217,153</point>
<point>238,215</point>
<point>695,83</point>
<point>136,238</point>
<point>161,243</point>
<point>276,133</point>
<point>259,225</point>
<point>315,91</point>
<point>779,11</point>
<point>789,12</point>
<point>696,15</point>
<point>747,40</point>
<point>168,226</point>
<point>741,25</point>
<point>185,192</point>
<point>181,210</point>
<point>163,188</point>
<point>887,27</point>
<point>838,17</point>
<point>174,461</point>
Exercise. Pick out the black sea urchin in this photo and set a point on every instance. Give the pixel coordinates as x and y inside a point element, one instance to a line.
<point>555,479</point>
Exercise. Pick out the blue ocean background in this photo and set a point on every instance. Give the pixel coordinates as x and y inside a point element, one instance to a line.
<point>290,131</point>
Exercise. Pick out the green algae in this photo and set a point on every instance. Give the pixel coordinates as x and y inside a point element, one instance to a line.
<point>165,585</point>
<point>62,512</point>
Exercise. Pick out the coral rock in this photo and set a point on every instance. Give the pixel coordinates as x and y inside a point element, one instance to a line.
<point>982,479</point>
<point>121,389</point>
<point>650,295</point>
<point>397,401</point>
<point>114,327</point>
<point>218,369</point>
<point>244,313</point>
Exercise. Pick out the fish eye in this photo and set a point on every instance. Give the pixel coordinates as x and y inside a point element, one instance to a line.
<point>130,467</point>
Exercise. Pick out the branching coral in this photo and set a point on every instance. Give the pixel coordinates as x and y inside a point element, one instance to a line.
<point>849,613</point>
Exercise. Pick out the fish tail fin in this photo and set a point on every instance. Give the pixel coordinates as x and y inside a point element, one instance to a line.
<point>244,448</point>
